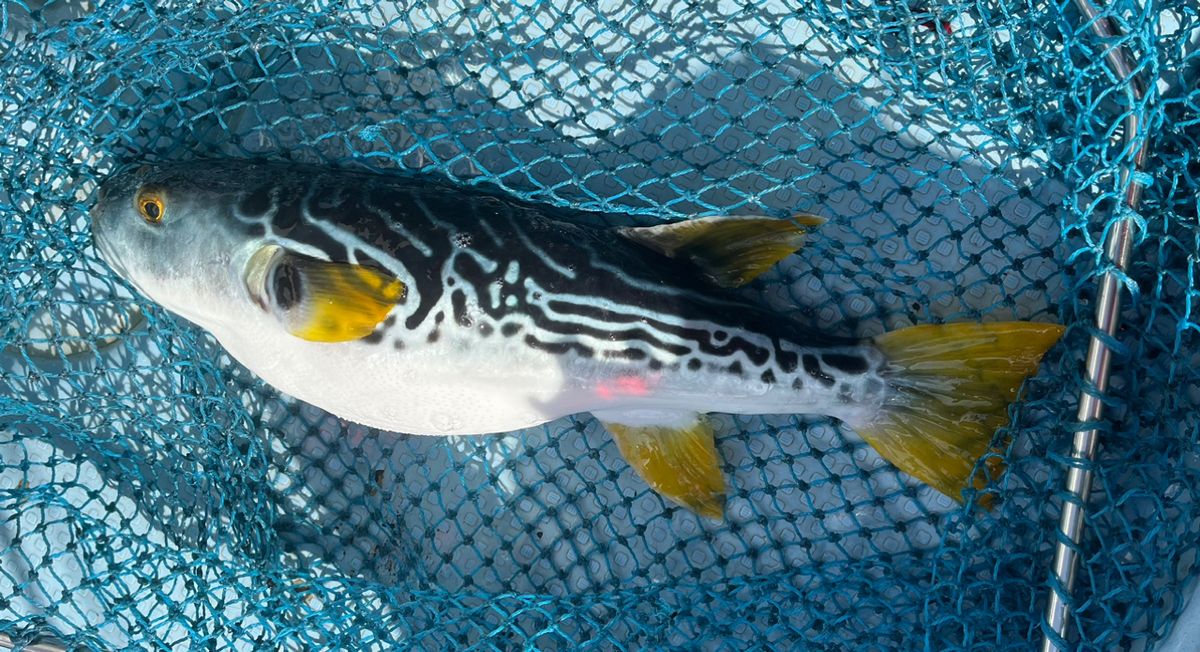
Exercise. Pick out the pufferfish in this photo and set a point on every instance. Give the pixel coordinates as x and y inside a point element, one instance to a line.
<point>413,305</point>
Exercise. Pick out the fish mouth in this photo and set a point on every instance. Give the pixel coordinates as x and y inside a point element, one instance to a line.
<point>109,258</point>
<point>104,248</point>
<point>108,254</point>
<point>257,272</point>
<point>101,222</point>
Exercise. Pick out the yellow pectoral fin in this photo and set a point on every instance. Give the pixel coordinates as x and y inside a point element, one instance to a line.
<point>680,463</point>
<point>341,302</point>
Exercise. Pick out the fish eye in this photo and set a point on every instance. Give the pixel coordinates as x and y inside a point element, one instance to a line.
<point>150,205</point>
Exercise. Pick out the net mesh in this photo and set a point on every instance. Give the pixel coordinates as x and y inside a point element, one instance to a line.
<point>155,494</point>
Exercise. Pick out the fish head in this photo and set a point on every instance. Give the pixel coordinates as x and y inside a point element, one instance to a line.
<point>174,231</point>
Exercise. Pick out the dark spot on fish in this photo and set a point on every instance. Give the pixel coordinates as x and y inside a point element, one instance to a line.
<point>735,368</point>
<point>768,376</point>
<point>287,217</point>
<point>398,345</point>
<point>458,302</point>
<point>813,368</point>
<point>450,281</point>
<point>286,285</point>
<point>694,364</point>
<point>330,197</point>
<point>440,317</point>
<point>510,329</point>
<point>654,364</point>
<point>757,354</point>
<point>797,384</point>
<point>485,329</point>
<point>788,361</point>
<point>255,229</point>
<point>844,393</point>
<point>374,337</point>
<point>851,364</point>
<point>433,336</point>
<point>256,203</point>
<point>874,386</point>
<point>559,348</point>
<point>628,354</point>
<point>390,321</point>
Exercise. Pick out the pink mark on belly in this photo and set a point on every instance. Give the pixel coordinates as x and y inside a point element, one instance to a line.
<point>623,386</point>
<point>633,385</point>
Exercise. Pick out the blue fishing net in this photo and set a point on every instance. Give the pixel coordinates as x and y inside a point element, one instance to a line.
<point>154,494</point>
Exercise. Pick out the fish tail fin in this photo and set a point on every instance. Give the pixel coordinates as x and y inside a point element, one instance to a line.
<point>950,387</point>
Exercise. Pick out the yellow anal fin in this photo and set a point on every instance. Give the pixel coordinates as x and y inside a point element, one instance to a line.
<point>732,251</point>
<point>679,462</point>
<point>951,386</point>
<point>333,302</point>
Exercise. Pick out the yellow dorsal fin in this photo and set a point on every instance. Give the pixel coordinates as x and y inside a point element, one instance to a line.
<point>732,251</point>
<point>679,462</point>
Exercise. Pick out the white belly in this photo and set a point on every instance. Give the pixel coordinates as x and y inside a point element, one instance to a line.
<point>467,384</point>
<point>447,388</point>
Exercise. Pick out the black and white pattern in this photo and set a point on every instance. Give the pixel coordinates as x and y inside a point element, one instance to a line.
<point>490,277</point>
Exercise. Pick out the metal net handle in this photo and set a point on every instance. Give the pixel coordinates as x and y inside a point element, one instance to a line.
<point>1117,247</point>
